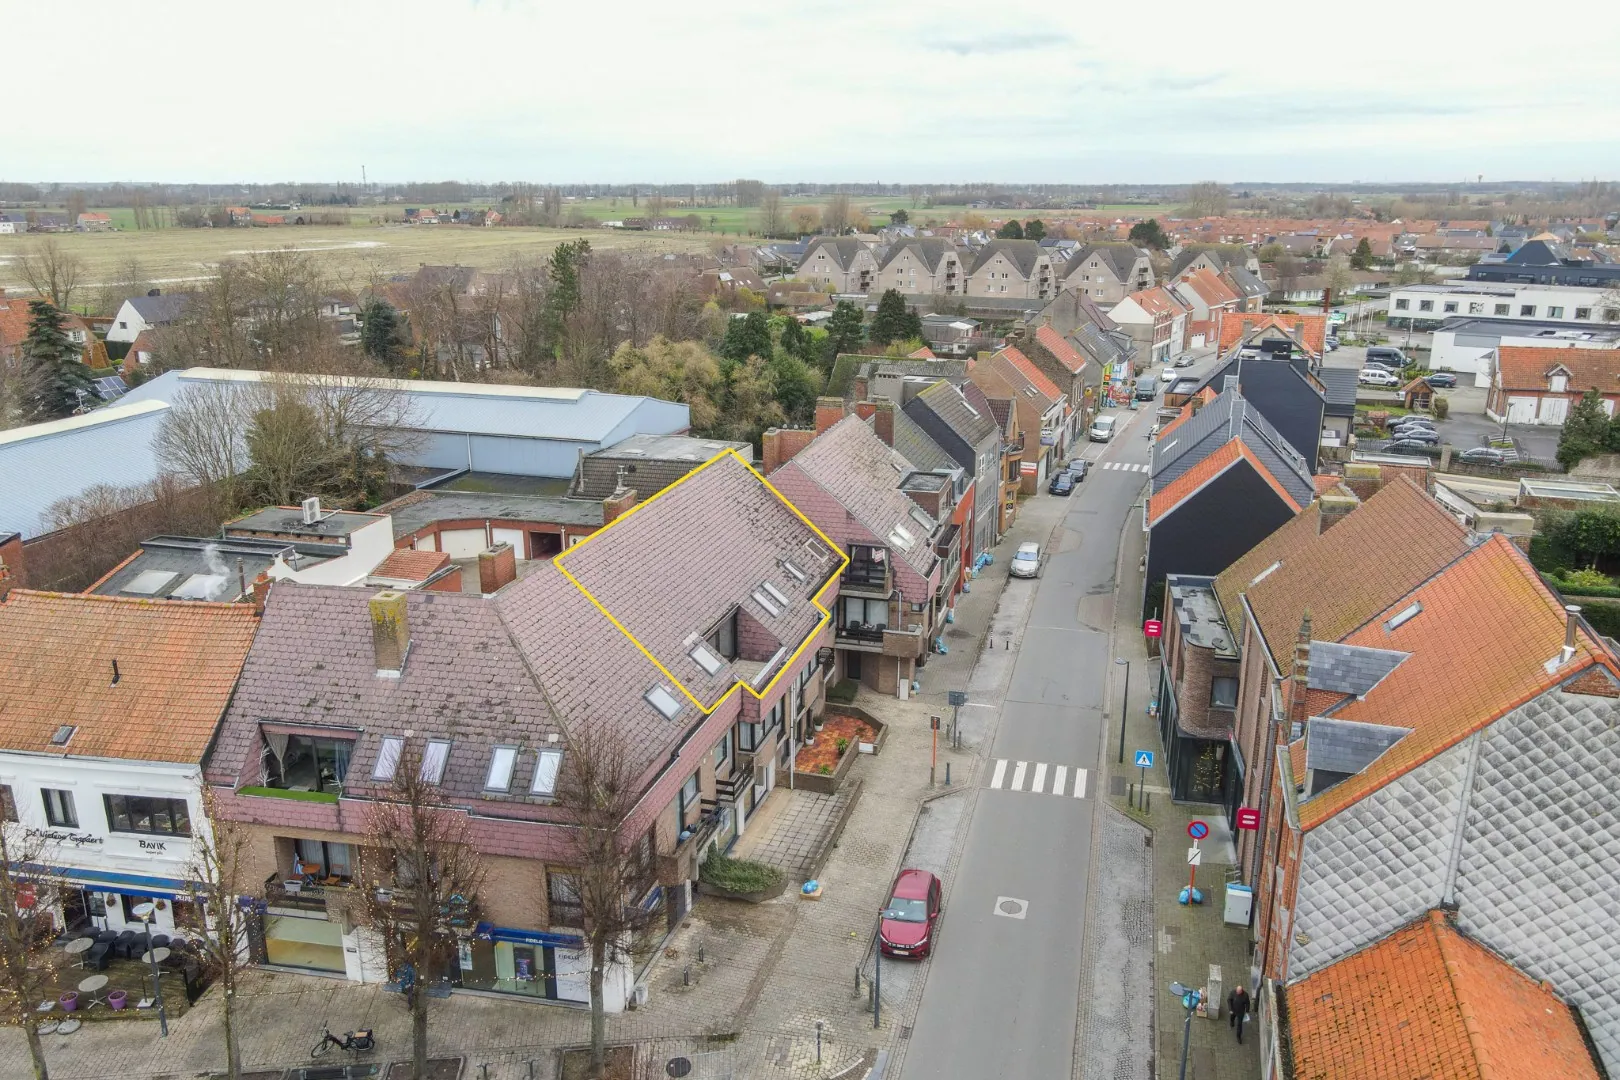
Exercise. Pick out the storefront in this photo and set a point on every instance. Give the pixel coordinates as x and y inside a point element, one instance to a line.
<point>528,963</point>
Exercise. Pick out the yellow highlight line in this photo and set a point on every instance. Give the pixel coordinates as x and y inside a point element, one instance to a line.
<point>815,599</point>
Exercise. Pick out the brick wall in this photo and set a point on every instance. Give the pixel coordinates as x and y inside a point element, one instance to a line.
<point>1250,727</point>
<point>496,567</point>
<point>754,642</point>
<point>779,445</point>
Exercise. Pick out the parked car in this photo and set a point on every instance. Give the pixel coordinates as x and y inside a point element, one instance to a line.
<point>1077,468</point>
<point>1412,432</point>
<point>1438,379</point>
<point>1483,455</point>
<point>1372,376</point>
<point>1026,561</point>
<point>1168,374</point>
<point>1381,366</point>
<point>1147,388</point>
<point>1407,446</point>
<point>1412,421</point>
<point>1331,342</point>
<point>1102,429</point>
<point>1386,355</point>
<point>910,915</point>
<point>1184,360</point>
<point>1061,484</point>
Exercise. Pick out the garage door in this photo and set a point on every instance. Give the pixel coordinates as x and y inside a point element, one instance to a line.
<point>1521,410</point>
<point>1554,409</point>
<point>511,536</point>
<point>1197,342</point>
<point>463,543</point>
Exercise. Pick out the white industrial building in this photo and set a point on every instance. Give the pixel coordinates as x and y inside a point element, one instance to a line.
<point>1427,306</point>
<point>1468,345</point>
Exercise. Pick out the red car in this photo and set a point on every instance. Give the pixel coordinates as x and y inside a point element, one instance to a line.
<point>908,922</point>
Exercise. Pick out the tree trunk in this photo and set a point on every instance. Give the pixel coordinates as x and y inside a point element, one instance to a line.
<point>419,1019</point>
<point>598,1016</point>
<point>35,1050</point>
<point>233,1050</point>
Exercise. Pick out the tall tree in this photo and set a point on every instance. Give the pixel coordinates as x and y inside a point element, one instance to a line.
<point>1149,234</point>
<point>27,929</point>
<point>1586,431</point>
<point>55,379</point>
<point>422,886</point>
<point>1034,229</point>
<point>51,271</point>
<point>836,217</point>
<point>797,385</point>
<point>844,330</point>
<point>894,320</point>
<point>1362,257</point>
<point>899,217</point>
<point>681,371</point>
<point>219,870</point>
<point>772,220</point>
<point>1011,230</point>
<point>563,273</point>
<point>381,334</point>
<point>747,336</point>
<point>796,341</point>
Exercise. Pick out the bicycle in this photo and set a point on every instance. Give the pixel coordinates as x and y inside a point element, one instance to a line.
<point>354,1041</point>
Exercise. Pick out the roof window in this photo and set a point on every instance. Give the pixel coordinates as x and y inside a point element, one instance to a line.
<point>667,704</point>
<point>1267,572</point>
<point>388,758</point>
<point>1404,616</point>
<point>434,757</point>
<point>767,603</point>
<point>706,659</point>
<point>501,761</point>
<point>774,593</point>
<point>905,535</point>
<point>793,571</point>
<point>920,516</point>
<point>546,767</point>
<point>63,734</point>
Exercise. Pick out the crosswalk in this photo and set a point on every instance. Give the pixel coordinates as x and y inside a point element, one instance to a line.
<point>1032,776</point>
<point>1123,466</point>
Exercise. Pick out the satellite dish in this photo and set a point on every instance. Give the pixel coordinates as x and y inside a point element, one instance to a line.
<point>142,911</point>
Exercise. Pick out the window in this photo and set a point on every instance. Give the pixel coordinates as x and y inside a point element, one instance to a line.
<point>706,659</point>
<point>1583,313</point>
<point>771,607</point>
<point>305,763</point>
<point>722,750</point>
<point>8,804</point>
<point>1402,303</point>
<point>1611,314</point>
<point>792,570</point>
<point>562,897</point>
<point>689,796</point>
<point>59,810</point>
<point>1425,305</point>
<point>433,759</point>
<point>1555,312</point>
<point>774,593</point>
<point>749,736</point>
<point>1223,693</point>
<point>773,719</point>
<point>388,758</point>
<point>1527,311</point>
<point>323,860</point>
<point>138,814</point>
<point>668,706</point>
<point>1500,309</point>
<point>1450,306</point>
<point>546,767</point>
<point>501,761</point>
<point>1476,309</point>
<point>723,638</point>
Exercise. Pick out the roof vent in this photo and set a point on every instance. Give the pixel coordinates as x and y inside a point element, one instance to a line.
<point>1267,572</point>
<point>63,734</point>
<point>1404,616</point>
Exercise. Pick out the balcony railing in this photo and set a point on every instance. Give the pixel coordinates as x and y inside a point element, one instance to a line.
<point>861,633</point>
<point>867,577</point>
<point>289,892</point>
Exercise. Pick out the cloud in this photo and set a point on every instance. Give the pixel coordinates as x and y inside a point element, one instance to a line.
<point>996,43</point>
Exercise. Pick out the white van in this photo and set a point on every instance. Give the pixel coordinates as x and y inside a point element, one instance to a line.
<point>1102,429</point>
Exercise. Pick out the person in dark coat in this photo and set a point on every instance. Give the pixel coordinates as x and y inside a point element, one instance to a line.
<point>1237,1009</point>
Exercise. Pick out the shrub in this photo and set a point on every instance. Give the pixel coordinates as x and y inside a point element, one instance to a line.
<point>824,770</point>
<point>1442,407</point>
<point>842,744</point>
<point>1587,578</point>
<point>844,691</point>
<point>738,875</point>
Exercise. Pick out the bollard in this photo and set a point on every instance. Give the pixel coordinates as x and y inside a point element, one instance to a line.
<point>531,1069</point>
<point>1130,795</point>
<point>1148,809</point>
<point>686,975</point>
<point>857,980</point>
<point>700,954</point>
<point>483,1070</point>
<point>947,774</point>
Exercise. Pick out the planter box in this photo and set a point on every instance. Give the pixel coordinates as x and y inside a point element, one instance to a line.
<point>748,898</point>
<point>827,783</point>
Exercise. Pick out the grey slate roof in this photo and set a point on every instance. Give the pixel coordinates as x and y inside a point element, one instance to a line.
<point>1340,384</point>
<point>889,365</point>
<point>1345,746</point>
<point>914,444</point>
<point>1247,283</point>
<point>842,249</point>
<point>1189,255</point>
<point>929,250</point>
<point>1229,416</point>
<point>948,402</point>
<point>651,463</point>
<point>1119,258</point>
<point>1021,253</point>
<point>1350,669</point>
<point>159,310</point>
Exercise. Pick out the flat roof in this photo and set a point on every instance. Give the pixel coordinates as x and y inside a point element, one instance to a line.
<point>202,568</point>
<point>671,448</point>
<point>1198,613</point>
<point>1559,489</point>
<point>490,483</point>
<point>426,507</point>
<point>289,520</point>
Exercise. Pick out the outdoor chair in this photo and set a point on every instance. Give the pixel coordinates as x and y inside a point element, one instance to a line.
<point>99,956</point>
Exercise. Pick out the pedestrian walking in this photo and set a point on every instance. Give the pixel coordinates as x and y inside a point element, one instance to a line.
<point>1237,1010</point>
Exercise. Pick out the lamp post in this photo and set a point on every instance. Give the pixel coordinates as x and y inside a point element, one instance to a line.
<point>1124,706</point>
<point>1189,1001</point>
<point>146,913</point>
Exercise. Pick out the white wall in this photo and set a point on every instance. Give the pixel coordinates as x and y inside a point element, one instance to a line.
<point>369,545</point>
<point>127,324</point>
<point>1483,298</point>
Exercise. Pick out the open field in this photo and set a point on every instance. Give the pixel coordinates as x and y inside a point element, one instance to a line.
<point>352,254</point>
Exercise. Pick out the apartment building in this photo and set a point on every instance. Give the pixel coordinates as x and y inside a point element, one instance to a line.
<point>1011,269</point>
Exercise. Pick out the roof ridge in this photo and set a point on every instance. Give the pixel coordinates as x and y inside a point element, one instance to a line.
<point>1436,926</point>
<point>133,601</point>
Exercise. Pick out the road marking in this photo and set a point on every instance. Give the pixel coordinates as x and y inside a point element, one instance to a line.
<point>1079,783</point>
<point>1018,776</point>
<point>1060,773</point>
<point>1038,785</point>
<point>1001,773</point>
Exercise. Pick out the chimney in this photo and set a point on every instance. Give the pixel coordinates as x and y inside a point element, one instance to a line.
<point>778,446</point>
<point>1333,509</point>
<point>1572,622</point>
<point>1297,711</point>
<point>829,410</point>
<point>1363,478</point>
<point>618,504</point>
<point>496,567</point>
<point>390,632</point>
<point>260,592</point>
<point>881,413</point>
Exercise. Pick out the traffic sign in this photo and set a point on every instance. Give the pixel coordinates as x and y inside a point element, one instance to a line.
<point>1153,628</point>
<point>1248,818</point>
<point>1198,830</point>
<point>957,698</point>
<point>1144,759</point>
<point>1195,856</point>
<point>933,721</point>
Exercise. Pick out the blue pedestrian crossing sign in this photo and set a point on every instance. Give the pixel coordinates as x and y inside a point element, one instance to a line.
<point>1144,759</point>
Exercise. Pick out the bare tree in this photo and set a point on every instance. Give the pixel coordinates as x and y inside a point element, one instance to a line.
<point>836,217</point>
<point>27,929</point>
<point>91,532</point>
<point>1338,279</point>
<point>51,271</point>
<point>130,279</point>
<point>806,219</point>
<point>220,871</point>
<point>201,435</point>
<point>599,789</point>
<point>422,887</point>
<point>771,218</point>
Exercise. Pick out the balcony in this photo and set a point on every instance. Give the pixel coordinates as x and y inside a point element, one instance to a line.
<point>729,790</point>
<point>287,892</point>
<point>864,637</point>
<point>863,578</point>
<point>909,642</point>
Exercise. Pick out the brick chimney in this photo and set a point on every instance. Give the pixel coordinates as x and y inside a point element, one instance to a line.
<point>390,632</point>
<point>829,410</point>
<point>619,503</point>
<point>881,413</point>
<point>259,591</point>
<point>1363,478</point>
<point>1334,509</point>
<point>6,581</point>
<point>780,445</point>
<point>1298,713</point>
<point>497,567</point>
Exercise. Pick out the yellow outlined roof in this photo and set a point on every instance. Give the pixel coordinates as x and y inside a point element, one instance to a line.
<point>815,598</point>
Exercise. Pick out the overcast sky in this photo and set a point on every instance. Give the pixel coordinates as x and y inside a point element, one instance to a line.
<point>892,90</point>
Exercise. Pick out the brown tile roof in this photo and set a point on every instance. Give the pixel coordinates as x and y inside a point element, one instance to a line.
<point>1158,302</point>
<point>1312,329</point>
<point>1031,374</point>
<point>406,564</point>
<point>1525,367</point>
<point>1326,482</point>
<point>1065,354</point>
<point>1290,538</point>
<point>1428,1001</point>
<point>14,318</point>
<point>1485,630</point>
<point>177,664</point>
<point>1210,288</point>
<point>924,353</point>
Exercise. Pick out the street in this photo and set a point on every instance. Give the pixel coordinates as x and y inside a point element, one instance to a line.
<point>1003,990</point>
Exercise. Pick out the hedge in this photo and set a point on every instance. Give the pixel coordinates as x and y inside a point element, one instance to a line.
<point>739,875</point>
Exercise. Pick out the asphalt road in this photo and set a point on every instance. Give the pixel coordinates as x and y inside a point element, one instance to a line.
<point>1002,991</point>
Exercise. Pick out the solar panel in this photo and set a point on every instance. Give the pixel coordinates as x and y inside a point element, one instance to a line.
<point>110,388</point>
<point>149,582</point>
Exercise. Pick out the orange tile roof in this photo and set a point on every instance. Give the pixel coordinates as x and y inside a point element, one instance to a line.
<point>1032,374</point>
<point>1158,302</point>
<point>1479,645</point>
<point>1188,483</point>
<point>1326,483</point>
<point>1210,288</point>
<point>177,664</point>
<point>1281,546</point>
<point>924,353</point>
<point>1428,1001</point>
<point>1312,329</point>
<point>1065,354</point>
<point>1525,367</point>
<point>407,564</point>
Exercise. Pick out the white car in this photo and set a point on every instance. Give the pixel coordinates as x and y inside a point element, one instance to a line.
<point>1167,375</point>
<point>1027,561</point>
<point>1377,377</point>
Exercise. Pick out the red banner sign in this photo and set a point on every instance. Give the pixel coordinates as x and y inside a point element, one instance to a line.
<point>1153,628</point>
<point>1248,818</point>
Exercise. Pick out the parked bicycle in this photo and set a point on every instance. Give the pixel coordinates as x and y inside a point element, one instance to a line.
<point>355,1041</point>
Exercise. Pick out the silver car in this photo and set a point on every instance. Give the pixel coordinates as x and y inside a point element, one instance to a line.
<point>1027,561</point>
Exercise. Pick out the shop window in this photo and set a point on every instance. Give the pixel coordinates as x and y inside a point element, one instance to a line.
<point>305,763</point>
<point>59,809</point>
<point>139,814</point>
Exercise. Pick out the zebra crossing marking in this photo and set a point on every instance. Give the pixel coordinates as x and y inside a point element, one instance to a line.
<point>1001,773</point>
<point>1018,776</point>
<point>1038,785</point>
<point>1020,769</point>
<point>1122,466</point>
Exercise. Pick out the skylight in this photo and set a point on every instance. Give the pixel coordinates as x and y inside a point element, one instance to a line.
<point>546,768</point>
<point>501,761</point>
<point>667,704</point>
<point>199,587</point>
<point>63,734</point>
<point>706,659</point>
<point>388,758</point>
<point>433,759</point>
<point>148,582</point>
<point>774,593</point>
<point>1267,572</point>
<point>920,516</point>
<point>766,602</point>
<point>792,570</point>
<point>1405,615</point>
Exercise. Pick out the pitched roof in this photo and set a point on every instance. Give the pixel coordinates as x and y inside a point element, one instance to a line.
<point>1312,329</point>
<point>917,446</point>
<point>1158,302</point>
<point>1065,354</point>
<point>1210,288</point>
<point>1526,367</point>
<point>1429,1001</point>
<point>177,662</point>
<point>1189,483</point>
<point>850,463</point>
<point>15,317</point>
<point>928,250</point>
<point>1230,417</point>
<point>1245,282</point>
<point>1031,375</point>
<point>161,309</point>
<point>843,250</point>
<point>1119,258</point>
<point>407,564</point>
<point>1480,642</point>
<point>1023,254</point>
<point>955,406</point>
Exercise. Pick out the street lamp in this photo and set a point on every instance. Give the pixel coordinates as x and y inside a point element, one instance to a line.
<point>1189,1001</point>
<point>147,912</point>
<point>1124,707</point>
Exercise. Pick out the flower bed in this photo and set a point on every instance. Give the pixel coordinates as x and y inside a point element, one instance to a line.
<point>823,756</point>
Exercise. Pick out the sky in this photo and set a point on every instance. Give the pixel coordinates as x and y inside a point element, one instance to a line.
<point>898,91</point>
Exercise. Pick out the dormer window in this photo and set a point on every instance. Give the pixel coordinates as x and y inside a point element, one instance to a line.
<point>722,640</point>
